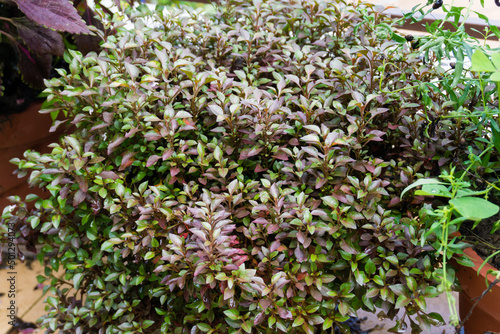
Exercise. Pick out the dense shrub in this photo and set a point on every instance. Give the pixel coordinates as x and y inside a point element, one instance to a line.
<point>240,172</point>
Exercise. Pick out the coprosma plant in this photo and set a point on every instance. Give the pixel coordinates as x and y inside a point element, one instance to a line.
<point>240,171</point>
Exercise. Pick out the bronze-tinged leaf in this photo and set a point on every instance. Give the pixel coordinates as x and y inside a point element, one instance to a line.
<point>152,160</point>
<point>55,14</point>
<point>38,38</point>
<point>79,197</point>
<point>115,143</point>
<point>259,318</point>
<point>34,67</point>
<point>347,247</point>
<point>107,174</point>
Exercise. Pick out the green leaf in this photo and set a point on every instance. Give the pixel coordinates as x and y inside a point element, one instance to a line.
<point>52,302</point>
<point>420,182</point>
<point>370,267</point>
<point>458,67</point>
<point>149,255</point>
<point>147,323</point>
<point>298,321</point>
<point>34,222</point>
<point>495,76</point>
<point>398,38</point>
<point>412,283</point>
<point>481,62</point>
<point>247,326</point>
<point>495,58</point>
<point>103,192</point>
<point>107,246</point>
<point>232,314</point>
<point>73,142</point>
<point>402,301</point>
<point>331,201</point>
<point>77,279</point>
<point>111,277</point>
<point>327,324</point>
<point>474,208</point>
<point>434,190</point>
<point>437,319</point>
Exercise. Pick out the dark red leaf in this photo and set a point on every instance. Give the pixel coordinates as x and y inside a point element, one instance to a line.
<point>55,14</point>
<point>38,38</point>
<point>79,197</point>
<point>34,67</point>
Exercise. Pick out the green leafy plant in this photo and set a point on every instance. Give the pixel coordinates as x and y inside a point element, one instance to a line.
<point>460,189</point>
<point>241,171</point>
<point>481,63</point>
<point>462,204</point>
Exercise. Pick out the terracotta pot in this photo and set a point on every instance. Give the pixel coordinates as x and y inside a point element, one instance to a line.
<point>19,132</point>
<point>486,315</point>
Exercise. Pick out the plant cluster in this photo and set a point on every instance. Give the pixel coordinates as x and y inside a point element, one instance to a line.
<point>241,172</point>
<point>478,177</point>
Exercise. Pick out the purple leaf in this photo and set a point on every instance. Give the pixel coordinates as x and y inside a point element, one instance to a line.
<point>127,160</point>
<point>315,294</point>
<point>55,14</point>
<point>299,254</point>
<point>347,247</point>
<point>167,153</point>
<point>79,197</point>
<point>33,67</point>
<point>199,270</point>
<point>259,318</point>
<point>284,313</point>
<point>261,220</point>
<point>38,38</point>
<point>115,143</point>
<point>107,174</point>
<point>151,135</point>
<point>246,153</point>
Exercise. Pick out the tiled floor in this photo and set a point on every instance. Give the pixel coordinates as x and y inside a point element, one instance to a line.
<point>28,298</point>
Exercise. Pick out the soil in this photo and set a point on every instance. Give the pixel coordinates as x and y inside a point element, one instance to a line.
<point>485,243</point>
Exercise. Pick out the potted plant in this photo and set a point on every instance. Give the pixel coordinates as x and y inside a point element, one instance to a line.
<point>479,311</point>
<point>240,172</point>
